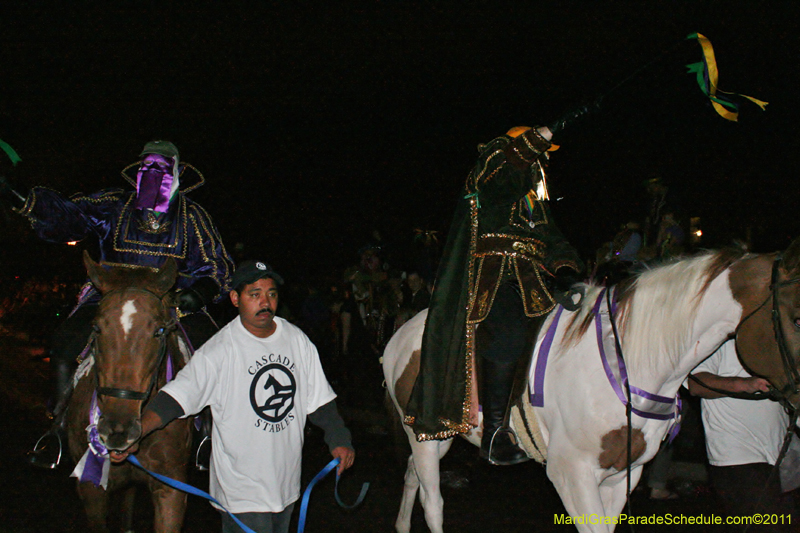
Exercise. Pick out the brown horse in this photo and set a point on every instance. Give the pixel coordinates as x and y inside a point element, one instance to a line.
<point>134,342</point>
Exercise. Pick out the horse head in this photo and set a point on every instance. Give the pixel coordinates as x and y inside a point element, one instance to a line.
<point>131,331</point>
<point>768,337</point>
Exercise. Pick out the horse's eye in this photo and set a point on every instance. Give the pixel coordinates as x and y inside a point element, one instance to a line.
<point>160,331</point>
<point>95,328</point>
<point>797,323</point>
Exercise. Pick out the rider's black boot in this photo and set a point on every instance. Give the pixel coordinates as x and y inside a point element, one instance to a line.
<point>50,446</point>
<point>498,444</point>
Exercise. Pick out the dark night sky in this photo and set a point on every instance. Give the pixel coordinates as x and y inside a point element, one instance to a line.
<point>316,122</point>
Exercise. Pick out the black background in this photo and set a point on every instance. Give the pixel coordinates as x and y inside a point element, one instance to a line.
<point>316,122</point>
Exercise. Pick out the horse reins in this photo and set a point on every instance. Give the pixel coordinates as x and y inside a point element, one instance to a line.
<point>161,334</point>
<point>793,387</point>
<point>628,406</point>
<point>789,368</point>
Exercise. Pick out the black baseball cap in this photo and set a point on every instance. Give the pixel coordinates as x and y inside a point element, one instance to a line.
<point>251,271</point>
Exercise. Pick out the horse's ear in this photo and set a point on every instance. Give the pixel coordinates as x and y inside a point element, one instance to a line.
<point>791,257</point>
<point>94,270</point>
<point>165,277</point>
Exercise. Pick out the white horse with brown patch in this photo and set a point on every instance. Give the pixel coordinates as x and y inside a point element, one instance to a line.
<point>573,415</point>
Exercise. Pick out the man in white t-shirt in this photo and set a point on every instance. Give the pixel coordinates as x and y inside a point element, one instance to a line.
<point>743,437</point>
<point>262,378</point>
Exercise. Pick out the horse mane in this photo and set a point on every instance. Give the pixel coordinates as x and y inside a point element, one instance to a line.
<point>118,277</point>
<point>656,307</point>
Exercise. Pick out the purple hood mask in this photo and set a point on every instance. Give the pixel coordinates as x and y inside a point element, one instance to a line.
<point>156,182</point>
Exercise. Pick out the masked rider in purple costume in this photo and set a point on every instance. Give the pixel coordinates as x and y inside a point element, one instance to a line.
<point>140,228</point>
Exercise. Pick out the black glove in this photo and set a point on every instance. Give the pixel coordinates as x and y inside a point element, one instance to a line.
<point>573,116</point>
<point>194,298</point>
<point>564,279</point>
<point>15,199</point>
<point>565,288</point>
<point>189,301</point>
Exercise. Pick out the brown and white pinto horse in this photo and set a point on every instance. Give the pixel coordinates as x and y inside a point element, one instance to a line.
<point>573,414</point>
<point>134,341</point>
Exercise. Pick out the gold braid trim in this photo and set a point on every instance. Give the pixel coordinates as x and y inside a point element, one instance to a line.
<point>464,426</point>
<point>565,263</point>
<point>455,428</point>
<point>545,306</point>
<point>474,180</point>
<point>203,221</point>
<point>440,435</point>
<point>167,253</point>
<point>183,166</point>
<point>519,218</point>
<point>484,302</point>
<point>105,197</point>
<point>197,223</point>
<point>544,144</point>
<point>27,207</point>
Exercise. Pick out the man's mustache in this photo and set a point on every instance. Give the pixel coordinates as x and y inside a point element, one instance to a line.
<point>265,310</point>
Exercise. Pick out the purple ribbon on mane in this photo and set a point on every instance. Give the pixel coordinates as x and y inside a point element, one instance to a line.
<point>94,465</point>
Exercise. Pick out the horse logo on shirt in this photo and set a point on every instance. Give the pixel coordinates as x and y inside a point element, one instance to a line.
<point>272,392</point>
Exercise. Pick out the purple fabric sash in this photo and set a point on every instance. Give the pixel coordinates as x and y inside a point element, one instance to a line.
<point>94,465</point>
<point>86,293</point>
<point>644,404</point>
<point>537,397</point>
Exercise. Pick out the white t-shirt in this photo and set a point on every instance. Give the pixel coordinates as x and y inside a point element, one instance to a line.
<point>260,392</point>
<point>738,431</point>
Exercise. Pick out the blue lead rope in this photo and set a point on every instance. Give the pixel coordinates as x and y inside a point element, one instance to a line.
<point>301,524</point>
<point>188,489</point>
<point>303,507</point>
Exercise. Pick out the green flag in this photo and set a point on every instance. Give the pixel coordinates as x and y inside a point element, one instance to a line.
<point>12,154</point>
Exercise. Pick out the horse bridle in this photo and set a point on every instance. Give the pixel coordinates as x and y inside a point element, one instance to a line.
<point>789,368</point>
<point>162,333</point>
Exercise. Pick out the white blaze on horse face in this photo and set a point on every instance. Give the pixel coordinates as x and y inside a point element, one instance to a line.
<point>126,318</point>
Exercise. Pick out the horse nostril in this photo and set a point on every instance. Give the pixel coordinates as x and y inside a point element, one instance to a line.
<point>119,434</point>
<point>136,431</point>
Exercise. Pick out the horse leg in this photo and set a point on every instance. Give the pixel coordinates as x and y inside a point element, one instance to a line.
<point>403,522</point>
<point>614,490</point>
<point>95,503</point>
<point>170,507</point>
<point>575,480</point>
<point>426,456</point>
<point>126,509</point>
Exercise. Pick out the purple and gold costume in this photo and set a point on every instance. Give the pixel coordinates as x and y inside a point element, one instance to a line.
<point>143,227</point>
<point>132,237</point>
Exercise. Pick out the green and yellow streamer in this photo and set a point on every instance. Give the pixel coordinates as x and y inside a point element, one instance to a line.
<point>707,78</point>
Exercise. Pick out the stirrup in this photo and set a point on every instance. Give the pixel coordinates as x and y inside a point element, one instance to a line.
<point>35,455</point>
<point>198,464</point>
<point>512,454</point>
